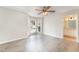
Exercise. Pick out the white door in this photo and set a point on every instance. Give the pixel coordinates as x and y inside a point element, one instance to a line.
<point>36,25</point>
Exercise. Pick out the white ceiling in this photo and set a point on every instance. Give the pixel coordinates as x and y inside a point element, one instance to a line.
<point>31,9</point>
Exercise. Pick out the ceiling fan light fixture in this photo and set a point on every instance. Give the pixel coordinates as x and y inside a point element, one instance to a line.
<point>45,13</point>
<point>45,10</point>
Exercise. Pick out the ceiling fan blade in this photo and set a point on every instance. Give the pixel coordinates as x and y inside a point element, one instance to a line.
<point>44,7</point>
<point>47,8</point>
<point>51,11</point>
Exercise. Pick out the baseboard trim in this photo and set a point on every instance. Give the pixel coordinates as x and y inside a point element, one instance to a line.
<point>70,36</point>
<point>53,36</point>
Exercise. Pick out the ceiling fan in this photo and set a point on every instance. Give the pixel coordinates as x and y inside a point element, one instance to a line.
<point>45,10</point>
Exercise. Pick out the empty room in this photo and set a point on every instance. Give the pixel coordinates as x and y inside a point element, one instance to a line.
<point>39,28</point>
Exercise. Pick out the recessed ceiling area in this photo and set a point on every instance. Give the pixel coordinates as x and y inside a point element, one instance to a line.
<point>31,9</point>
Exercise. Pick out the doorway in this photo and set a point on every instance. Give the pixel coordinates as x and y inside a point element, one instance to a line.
<point>36,25</point>
<point>70,28</point>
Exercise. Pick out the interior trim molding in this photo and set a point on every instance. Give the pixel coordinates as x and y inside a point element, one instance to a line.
<point>70,36</point>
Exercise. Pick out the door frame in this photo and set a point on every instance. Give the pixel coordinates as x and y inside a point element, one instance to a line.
<point>77,40</point>
<point>42,23</point>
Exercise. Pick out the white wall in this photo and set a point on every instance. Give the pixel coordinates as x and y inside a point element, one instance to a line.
<point>13,24</point>
<point>53,25</point>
